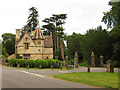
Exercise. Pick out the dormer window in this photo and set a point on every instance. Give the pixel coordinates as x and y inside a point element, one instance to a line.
<point>26,45</point>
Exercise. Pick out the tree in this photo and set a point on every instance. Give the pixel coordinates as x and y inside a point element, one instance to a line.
<point>8,44</point>
<point>55,25</point>
<point>74,44</point>
<point>32,20</point>
<point>98,41</point>
<point>112,19</point>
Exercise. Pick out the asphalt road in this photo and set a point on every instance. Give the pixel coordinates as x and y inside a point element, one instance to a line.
<point>17,78</point>
<point>23,78</point>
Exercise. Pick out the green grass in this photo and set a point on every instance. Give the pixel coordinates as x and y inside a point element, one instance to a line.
<point>103,79</point>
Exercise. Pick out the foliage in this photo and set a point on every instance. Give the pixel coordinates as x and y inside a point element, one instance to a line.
<point>41,62</point>
<point>99,42</point>
<point>31,63</point>
<point>71,62</point>
<point>74,44</point>
<point>51,62</point>
<point>13,62</point>
<point>21,62</point>
<point>18,56</point>
<point>55,24</point>
<point>84,63</point>
<point>116,63</point>
<point>112,19</point>
<point>8,44</point>
<point>32,20</point>
<point>6,60</point>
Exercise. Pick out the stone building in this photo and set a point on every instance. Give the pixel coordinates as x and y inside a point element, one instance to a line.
<point>34,46</point>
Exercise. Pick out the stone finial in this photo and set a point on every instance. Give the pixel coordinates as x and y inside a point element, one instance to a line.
<point>101,61</point>
<point>92,59</point>
<point>92,54</point>
<point>76,60</point>
<point>66,61</point>
<point>110,66</point>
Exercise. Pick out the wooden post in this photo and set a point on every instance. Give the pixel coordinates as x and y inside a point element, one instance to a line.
<point>51,67</point>
<point>40,67</point>
<point>28,66</point>
<point>18,65</point>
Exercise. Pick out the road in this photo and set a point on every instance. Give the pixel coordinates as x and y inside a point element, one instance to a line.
<point>21,78</point>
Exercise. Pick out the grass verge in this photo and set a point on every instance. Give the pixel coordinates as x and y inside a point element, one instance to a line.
<point>41,69</point>
<point>103,79</point>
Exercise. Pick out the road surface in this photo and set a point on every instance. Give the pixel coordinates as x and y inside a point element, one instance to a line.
<point>21,78</point>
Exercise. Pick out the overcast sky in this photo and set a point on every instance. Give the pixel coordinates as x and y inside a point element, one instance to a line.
<point>82,14</point>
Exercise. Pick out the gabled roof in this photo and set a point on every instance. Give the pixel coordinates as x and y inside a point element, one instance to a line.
<point>38,33</point>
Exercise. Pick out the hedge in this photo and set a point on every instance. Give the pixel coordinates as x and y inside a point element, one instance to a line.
<point>41,62</point>
<point>21,62</point>
<point>31,63</point>
<point>13,61</point>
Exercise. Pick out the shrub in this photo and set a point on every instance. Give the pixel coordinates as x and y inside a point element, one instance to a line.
<point>57,63</point>
<point>18,56</point>
<point>71,62</point>
<point>13,61</point>
<point>21,62</point>
<point>41,62</point>
<point>6,60</point>
<point>31,63</point>
<point>84,63</point>
<point>116,64</point>
<point>51,62</point>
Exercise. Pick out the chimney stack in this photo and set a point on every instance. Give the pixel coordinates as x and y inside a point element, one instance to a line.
<point>32,33</point>
<point>17,35</point>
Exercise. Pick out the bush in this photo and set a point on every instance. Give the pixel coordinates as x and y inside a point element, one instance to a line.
<point>57,63</point>
<point>13,61</point>
<point>18,56</point>
<point>116,64</point>
<point>51,62</point>
<point>41,62</point>
<point>71,62</point>
<point>6,60</point>
<point>84,63</point>
<point>31,63</point>
<point>21,62</point>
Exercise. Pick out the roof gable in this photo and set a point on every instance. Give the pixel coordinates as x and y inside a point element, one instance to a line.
<point>26,39</point>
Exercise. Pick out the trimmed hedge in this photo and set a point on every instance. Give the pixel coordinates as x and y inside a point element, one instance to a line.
<point>44,63</point>
<point>13,61</point>
<point>21,62</point>
<point>31,63</point>
<point>41,62</point>
<point>51,62</point>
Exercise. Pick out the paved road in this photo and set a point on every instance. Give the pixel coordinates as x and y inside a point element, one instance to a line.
<point>14,78</point>
<point>22,78</point>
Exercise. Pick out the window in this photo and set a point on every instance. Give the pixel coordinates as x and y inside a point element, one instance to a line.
<point>27,56</point>
<point>39,42</point>
<point>26,46</point>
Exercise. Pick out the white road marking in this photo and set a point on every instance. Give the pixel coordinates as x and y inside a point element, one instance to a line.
<point>32,74</point>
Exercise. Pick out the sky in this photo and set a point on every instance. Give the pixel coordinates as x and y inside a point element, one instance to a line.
<point>82,15</point>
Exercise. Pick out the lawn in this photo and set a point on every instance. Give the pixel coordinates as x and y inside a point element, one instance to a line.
<point>103,79</point>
